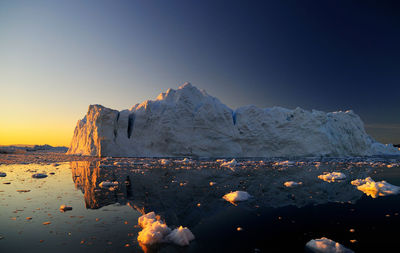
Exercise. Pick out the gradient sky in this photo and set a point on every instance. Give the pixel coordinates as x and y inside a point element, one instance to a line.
<point>57,57</point>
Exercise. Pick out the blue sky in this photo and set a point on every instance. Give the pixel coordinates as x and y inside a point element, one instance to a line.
<point>57,57</point>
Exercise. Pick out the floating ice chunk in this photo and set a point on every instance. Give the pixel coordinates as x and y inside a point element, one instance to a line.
<point>375,189</point>
<point>3,174</point>
<point>332,177</point>
<point>64,208</point>
<point>153,232</point>
<point>156,231</point>
<point>283,163</point>
<point>236,196</point>
<point>39,175</point>
<point>180,236</point>
<point>108,184</point>
<point>292,183</point>
<point>165,161</point>
<point>325,245</point>
<point>147,219</point>
<point>231,163</point>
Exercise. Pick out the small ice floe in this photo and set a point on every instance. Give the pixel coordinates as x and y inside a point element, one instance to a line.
<point>186,160</point>
<point>375,189</point>
<point>231,163</point>
<point>325,245</point>
<point>64,208</point>
<point>332,176</point>
<point>283,163</point>
<point>236,196</point>
<point>39,175</point>
<point>164,161</point>
<point>292,184</point>
<point>106,184</point>
<point>156,231</point>
<point>3,174</point>
<point>180,236</point>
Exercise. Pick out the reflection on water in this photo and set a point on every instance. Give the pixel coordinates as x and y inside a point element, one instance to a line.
<point>189,193</point>
<point>182,194</point>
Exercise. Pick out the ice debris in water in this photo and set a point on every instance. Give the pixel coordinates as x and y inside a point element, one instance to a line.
<point>375,189</point>
<point>236,196</point>
<point>39,175</point>
<point>180,236</point>
<point>332,177</point>
<point>108,184</point>
<point>64,208</point>
<point>231,163</point>
<point>165,161</point>
<point>156,231</point>
<point>3,174</point>
<point>292,183</point>
<point>325,245</point>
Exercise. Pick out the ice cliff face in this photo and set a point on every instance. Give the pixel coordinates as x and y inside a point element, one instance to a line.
<point>189,122</point>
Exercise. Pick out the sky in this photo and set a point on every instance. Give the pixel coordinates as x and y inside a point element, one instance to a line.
<point>58,57</point>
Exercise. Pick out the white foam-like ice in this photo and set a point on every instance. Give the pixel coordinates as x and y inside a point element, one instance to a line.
<point>325,245</point>
<point>375,189</point>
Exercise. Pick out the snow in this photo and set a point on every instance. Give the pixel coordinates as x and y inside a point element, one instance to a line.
<point>188,122</point>
<point>108,184</point>
<point>375,189</point>
<point>325,245</point>
<point>180,236</point>
<point>236,196</point>
<point>156,231</point>
<point>292,184</point>
<point>39,175</point>
<point>3,174</point>
<point>332,176</point>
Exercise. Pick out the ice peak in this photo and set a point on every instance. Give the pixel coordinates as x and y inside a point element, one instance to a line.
<point>186,85</point>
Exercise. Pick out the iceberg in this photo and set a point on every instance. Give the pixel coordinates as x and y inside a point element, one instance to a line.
<point>188,122</point>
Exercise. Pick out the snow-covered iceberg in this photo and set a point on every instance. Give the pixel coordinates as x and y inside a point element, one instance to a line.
<point>189,122</point>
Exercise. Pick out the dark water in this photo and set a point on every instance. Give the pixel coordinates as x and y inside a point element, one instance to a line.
<point>275,219</point>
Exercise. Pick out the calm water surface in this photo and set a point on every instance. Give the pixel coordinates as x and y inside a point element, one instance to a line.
<point>275,219</point>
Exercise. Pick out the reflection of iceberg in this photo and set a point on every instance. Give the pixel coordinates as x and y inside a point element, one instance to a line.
<point>88,176</point>
<point>183,194</point>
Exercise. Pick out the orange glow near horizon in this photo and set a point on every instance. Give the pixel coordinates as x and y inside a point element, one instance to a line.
<point>36,135</point>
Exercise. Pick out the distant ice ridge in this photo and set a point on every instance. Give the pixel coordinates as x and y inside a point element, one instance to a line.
<point>189,122</point>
